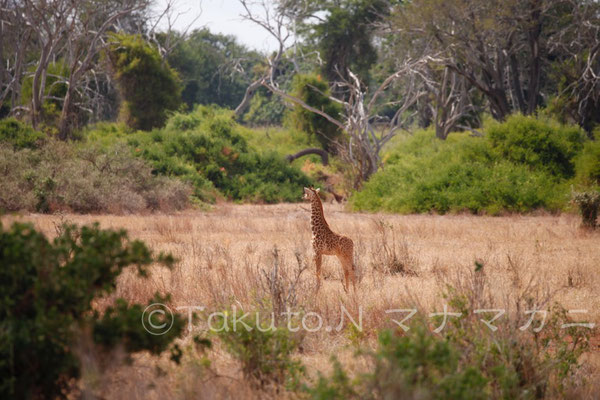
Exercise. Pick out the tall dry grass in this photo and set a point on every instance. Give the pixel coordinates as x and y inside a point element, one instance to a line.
<point>259,258</point>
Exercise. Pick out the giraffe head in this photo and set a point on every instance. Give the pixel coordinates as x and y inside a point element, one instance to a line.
<point>310,193</point>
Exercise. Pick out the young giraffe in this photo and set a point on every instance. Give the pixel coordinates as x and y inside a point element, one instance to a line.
<point>326,242</point>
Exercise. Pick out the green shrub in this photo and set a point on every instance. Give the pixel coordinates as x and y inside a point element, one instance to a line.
<point>337,386</point>
<point>206,148</point>
<point>542,145</point>
<point>587,164</point>
<point>588,204</point>
<point>264,352</point>
<point>461,173</point>
<point>46,306</point>
<point>467,360</point>
<point>314,91</point>
<point>20,135</point>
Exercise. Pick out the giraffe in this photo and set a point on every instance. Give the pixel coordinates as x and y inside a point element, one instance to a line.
<point>326,242</point>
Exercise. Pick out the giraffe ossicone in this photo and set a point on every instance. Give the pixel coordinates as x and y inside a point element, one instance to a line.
<point>327,242</point>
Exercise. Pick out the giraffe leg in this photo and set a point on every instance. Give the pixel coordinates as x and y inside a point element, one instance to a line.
<point>349,273</point>
<point>318,259</point>
<point>345,267</point>
<point>353,275</point>
<point>345,281</point>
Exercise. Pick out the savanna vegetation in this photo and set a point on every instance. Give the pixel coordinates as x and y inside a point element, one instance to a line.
<point>252,263</point>
<point>480,117</point>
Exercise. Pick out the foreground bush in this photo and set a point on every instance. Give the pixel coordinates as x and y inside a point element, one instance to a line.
<point>467,359</point>
<point>206,149</point>
<point>84,178</point>
<point>46,307</point>
<point>264,352</point>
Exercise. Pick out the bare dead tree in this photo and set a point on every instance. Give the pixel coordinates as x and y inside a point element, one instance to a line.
<point>168,16</point>
<point>364,140</point>
<point>83,41</point>
<point>452,99</point>
<point>275,18</point>
<point>14,39</point>
<point>578,43</point>
<point>320,152</point>
<point>50,21</point>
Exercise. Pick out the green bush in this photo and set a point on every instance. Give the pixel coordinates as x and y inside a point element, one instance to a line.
<point>20,135</point>
<point>46,305</point>
<point>588,204</point>
<point>264,352</point>
<point>84,178</point>
<point>466,361</point>
<point>543,145</point>
<point>206,148</point>
<point>587,164</point>
<point>314,91</point>
<point>461,173</point>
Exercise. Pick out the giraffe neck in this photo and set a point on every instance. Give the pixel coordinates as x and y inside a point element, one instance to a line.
<point>317,218</point>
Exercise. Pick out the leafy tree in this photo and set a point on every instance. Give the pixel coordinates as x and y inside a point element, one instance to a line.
<point>148,86</point>
<point>265,109</point>
<point>46,307</point>
<point>214,68</point>
<point>345,36</point>
<point>314,91</point>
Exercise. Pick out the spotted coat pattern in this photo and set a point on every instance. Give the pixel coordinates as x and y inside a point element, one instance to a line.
<point>327,242</point>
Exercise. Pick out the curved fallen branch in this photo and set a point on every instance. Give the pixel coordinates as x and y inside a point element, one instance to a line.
<point>312,150</point>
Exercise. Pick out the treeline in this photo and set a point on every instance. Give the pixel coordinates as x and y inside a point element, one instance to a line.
<point>67,64</point>
<point>351,74</point>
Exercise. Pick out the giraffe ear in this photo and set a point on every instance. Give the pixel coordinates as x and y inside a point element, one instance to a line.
<point>317,190</point>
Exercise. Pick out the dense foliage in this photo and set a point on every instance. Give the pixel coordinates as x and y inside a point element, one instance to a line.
<point>46,307</point>
<point>19,135</point>
<point>149,88</point>
<point>520,165</point>
<point>345,36</point>
<point>207,64</point>
<point>205,148</point>
<point>541,145</point>
<point>587,164</point>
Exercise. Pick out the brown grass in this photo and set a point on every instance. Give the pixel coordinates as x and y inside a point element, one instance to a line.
<point>227,257</point>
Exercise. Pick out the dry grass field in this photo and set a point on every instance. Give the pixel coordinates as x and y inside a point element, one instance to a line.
<point>227,258</point>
